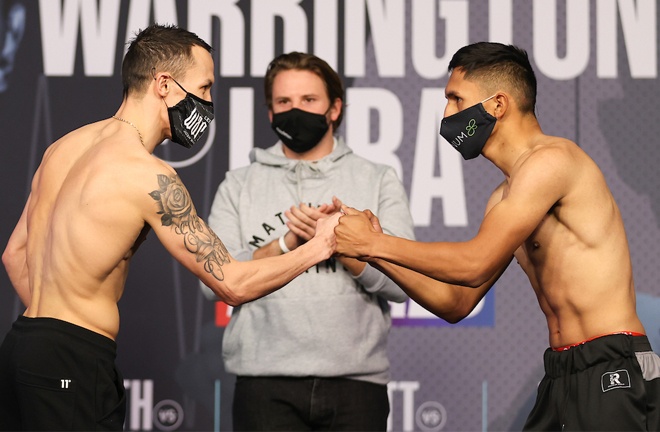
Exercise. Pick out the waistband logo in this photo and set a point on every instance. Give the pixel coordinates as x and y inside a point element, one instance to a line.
<point>614,380</point>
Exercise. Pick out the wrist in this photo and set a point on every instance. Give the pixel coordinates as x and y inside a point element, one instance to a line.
<point>373,248</point>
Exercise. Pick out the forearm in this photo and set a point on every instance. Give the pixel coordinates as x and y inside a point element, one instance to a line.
<point>449,302</point>
<point>245,281</point>
<point>459,263</point>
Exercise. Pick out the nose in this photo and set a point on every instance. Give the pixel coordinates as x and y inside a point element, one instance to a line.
<point>449,110</point>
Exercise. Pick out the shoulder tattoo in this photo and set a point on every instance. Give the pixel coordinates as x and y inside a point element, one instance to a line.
<point>177,211</point>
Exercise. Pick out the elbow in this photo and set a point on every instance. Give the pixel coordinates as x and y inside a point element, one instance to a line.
<point>232,292</point>
<point>477,274</point>
<point>453,319</point>
<point>451,316</point>
<point>234,302</point>
<point>457,314</point>
<point>231,300</point>
<point>232,296</point>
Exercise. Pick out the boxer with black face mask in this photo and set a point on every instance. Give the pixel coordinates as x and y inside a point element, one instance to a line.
<point>96,194</point>
<point>189,118</point>
<point>468,130</point>
<point>554,213</point>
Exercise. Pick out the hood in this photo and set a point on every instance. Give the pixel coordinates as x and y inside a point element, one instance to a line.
<point>300,169</point>
<point>297,171</point>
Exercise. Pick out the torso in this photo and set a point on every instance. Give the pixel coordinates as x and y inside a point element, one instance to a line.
<point>84,227</point>
<point>578,262</point>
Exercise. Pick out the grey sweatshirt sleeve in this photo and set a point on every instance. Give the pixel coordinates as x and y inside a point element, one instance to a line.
<point>224,218</point>
<point>394,214</point>
<point>225,222</point>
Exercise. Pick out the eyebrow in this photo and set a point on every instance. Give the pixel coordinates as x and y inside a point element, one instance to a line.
<point>306,95</point>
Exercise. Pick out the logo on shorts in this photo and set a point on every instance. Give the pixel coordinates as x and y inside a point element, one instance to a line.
<point>614,380</point>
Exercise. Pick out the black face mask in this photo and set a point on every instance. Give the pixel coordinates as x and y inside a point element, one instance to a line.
<point>468,130</point>
<point>299,130</point>
<point>189,118</point>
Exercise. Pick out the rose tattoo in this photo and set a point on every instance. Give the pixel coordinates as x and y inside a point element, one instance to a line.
<point>177,211</point>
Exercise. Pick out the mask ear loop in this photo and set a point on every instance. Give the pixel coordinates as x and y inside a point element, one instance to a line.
<point>488,98</point>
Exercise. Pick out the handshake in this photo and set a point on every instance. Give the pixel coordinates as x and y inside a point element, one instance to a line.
<point>336,228</point>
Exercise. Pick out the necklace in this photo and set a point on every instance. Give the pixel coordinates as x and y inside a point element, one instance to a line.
<point>134,127</point>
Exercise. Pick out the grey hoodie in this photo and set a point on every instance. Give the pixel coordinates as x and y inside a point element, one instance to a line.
<point>324,323</point>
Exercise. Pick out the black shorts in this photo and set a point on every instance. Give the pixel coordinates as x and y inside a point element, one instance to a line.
<point>55,375</point>
<point>611,383</point>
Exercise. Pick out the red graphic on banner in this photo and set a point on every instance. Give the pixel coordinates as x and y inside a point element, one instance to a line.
<point>221,315</point>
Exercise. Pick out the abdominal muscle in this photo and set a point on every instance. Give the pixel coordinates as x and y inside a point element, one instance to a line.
<point>569,325</point>
<point>580,304</point>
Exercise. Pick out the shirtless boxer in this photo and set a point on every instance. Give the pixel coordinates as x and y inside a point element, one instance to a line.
<point>97,192</point>
<point>556,215</point>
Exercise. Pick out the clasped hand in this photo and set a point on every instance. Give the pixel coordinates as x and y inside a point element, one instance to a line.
<point>354,233</point>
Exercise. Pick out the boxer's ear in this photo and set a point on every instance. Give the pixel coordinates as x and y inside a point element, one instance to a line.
<point>162,84</point>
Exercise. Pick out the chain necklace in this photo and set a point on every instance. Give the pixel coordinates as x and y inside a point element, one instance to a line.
<point>134,127</point>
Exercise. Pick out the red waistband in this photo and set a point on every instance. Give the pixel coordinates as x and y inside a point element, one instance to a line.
<point>567,347</point>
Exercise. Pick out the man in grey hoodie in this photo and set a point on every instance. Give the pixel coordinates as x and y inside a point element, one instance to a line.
<point>314,354</point>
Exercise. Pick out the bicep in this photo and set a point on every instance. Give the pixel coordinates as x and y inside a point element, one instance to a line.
<point>182,232</point>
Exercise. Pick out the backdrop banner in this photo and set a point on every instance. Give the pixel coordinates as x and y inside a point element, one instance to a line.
<point>597,71</point>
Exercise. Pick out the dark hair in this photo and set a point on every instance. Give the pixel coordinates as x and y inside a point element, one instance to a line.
<point>158,48</point>
<point>493,65</point>
<point>302,61</point>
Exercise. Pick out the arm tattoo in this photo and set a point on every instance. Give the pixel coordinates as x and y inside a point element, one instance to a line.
<point>177,211</point>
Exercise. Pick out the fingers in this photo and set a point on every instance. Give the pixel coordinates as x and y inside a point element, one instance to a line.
<point>302,220</point>
<point>327,209</point>
<point>308,214</point>
<point>374,220</point>
<point>337,202</point>
<point>300,233</point>
<point>349,210</point>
